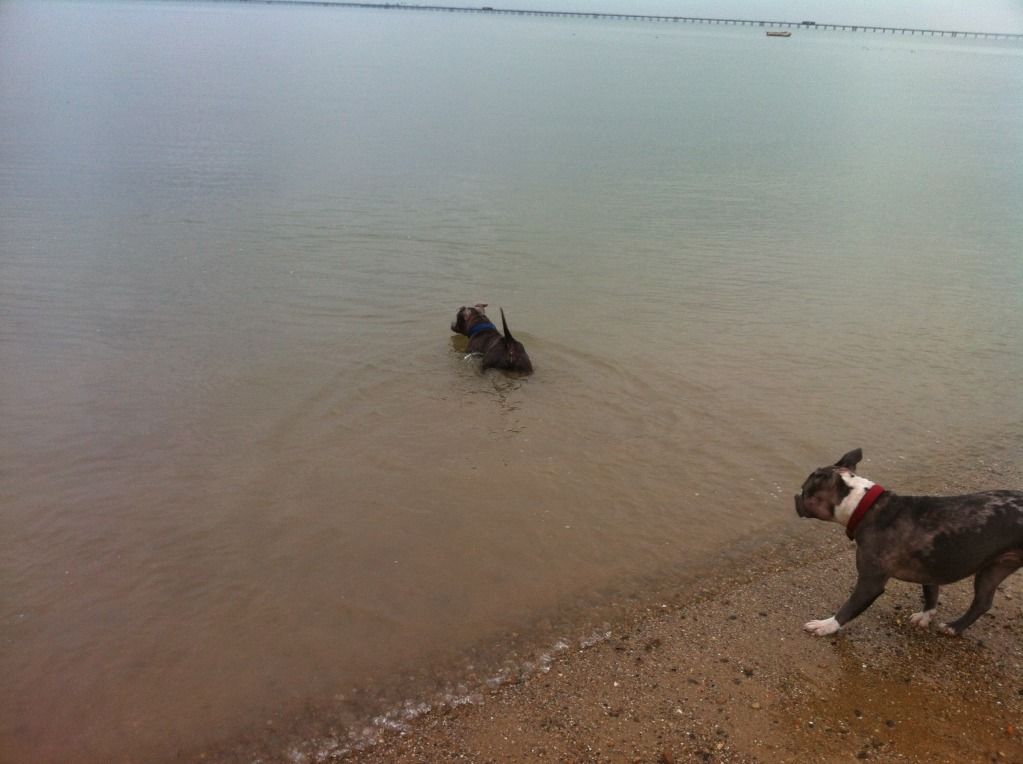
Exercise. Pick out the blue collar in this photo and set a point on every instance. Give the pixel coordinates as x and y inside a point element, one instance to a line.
<point>481,328</point>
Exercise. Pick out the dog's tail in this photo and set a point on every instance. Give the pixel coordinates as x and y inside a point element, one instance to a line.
<point>504,325</point>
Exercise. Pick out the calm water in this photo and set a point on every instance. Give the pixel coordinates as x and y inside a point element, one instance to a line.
<point>246,471</point>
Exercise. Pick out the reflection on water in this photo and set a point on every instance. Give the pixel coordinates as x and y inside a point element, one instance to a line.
<point>246,468</point>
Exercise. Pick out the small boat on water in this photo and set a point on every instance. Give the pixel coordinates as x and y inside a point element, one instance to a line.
<point>779,34</point>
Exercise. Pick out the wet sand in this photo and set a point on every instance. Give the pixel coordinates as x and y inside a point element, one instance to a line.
<point>730,677</point>
<point>724,673</point>
<point>720,670</point>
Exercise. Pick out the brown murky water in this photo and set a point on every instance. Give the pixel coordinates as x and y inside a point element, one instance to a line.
<point>246,468</point>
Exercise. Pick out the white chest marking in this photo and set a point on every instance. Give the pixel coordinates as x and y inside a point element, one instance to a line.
<point>858,487</point>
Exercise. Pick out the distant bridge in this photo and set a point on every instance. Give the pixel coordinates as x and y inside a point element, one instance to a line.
<point>807,25</point>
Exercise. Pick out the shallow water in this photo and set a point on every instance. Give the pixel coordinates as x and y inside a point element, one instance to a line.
<point>247,468</point>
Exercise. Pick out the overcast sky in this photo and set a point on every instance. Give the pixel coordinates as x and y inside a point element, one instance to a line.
<point>966,15</point>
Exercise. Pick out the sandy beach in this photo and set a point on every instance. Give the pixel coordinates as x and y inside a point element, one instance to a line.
<point>724,673</point>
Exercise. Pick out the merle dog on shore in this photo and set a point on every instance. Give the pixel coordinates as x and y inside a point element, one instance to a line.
<point>929,540</point>
<point>497,352</point>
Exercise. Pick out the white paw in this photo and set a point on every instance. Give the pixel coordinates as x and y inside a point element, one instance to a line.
<point>944,628</point>
<point>922,619</point>
<point>822,628</point>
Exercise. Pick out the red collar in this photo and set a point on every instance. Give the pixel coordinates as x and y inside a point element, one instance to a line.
<point>861,509</point>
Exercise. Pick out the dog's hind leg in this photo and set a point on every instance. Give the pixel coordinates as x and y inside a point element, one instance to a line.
<point>923,618</point>
<point>984,585</point>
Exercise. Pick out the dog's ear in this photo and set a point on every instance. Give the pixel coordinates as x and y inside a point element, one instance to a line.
<point>851,459</point>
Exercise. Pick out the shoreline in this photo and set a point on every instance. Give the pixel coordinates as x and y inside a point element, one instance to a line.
<point>730,676</point>
<point>723,672</point>
<point>717,668</point>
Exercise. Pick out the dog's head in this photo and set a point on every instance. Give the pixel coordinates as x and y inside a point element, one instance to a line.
<point>827,488</point>
<point>467,316</point>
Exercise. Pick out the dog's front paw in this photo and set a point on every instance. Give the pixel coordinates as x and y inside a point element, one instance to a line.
<point>922,619</point>
<point>944,628</point>
<point>822,628</point>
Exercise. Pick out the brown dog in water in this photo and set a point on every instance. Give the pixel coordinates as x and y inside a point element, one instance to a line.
<point>498,352</point>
